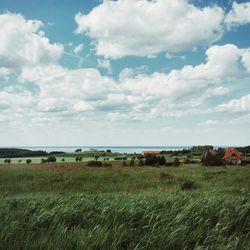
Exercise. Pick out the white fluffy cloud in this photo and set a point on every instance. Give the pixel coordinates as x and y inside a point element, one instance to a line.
<point>86,91</point>
<point>236,105</point>
<point>239,15</point>
<point>23,43</point>
<point>145,28</point>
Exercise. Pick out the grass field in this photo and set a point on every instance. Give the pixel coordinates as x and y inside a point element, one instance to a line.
<point>72,206</point>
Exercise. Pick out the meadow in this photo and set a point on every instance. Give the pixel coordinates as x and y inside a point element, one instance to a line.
<point>72,206</point>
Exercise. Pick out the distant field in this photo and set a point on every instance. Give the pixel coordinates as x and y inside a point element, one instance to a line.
<point>72,206</point>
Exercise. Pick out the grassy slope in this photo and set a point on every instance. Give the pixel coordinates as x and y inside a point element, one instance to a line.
<point>62,206</point>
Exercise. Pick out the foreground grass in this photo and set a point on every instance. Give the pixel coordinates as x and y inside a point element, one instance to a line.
<point>180,221</point>
<point>71,206</point>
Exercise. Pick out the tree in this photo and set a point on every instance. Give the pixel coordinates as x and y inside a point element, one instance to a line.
<point>96,157</point>
<point>51,159</point>
<point>78,150</point>
<point>108,150</point>
<point>28,161</point>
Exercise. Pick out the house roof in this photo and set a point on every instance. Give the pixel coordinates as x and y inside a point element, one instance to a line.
<point>232,151</point>
<point>152,152</point>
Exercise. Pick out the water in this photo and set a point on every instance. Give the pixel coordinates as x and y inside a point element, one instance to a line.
<point>117,149</point>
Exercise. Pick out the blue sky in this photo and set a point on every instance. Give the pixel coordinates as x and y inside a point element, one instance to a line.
<point>124,72</point>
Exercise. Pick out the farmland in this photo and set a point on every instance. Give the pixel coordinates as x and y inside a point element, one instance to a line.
<point>73,206</point>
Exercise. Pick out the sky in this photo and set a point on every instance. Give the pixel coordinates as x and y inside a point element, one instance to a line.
<point>124,72</point>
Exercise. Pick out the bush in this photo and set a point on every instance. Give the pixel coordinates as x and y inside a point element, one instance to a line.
<point>153,160</point>
<point>63,159</point>
<point>7,161</point>
<point>94,164</point>
<point>119,158</point>
<point>51,159</point>
<point>19,161</point>
<point>28,161</point>
<point>78,158</point>
<point>187,184</point>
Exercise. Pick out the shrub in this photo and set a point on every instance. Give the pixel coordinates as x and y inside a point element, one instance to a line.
<point>187,184</point>
<point>19,161</point>
<point>7,161</point>
<point>28,161</point>
<point>94,163</point>
<point>119,158</point>
<point>51,159</point>
<point>43,160</point>
<point>78,158</point>
<point>153,160</point>
<point>63,159</point>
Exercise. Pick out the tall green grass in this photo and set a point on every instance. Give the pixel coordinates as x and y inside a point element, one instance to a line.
<point>180,221</point>
<point>60,206</point>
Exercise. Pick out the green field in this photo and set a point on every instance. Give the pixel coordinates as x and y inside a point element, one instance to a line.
<point>72,206</point>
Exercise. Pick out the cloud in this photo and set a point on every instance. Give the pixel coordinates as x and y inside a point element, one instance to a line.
<point>238,15</point>
<point>128,30</point>
<point>78,48</point>
<point>236,105</point>
<point>105,64</point>
<point>135,96</point>
<point>23,43</point>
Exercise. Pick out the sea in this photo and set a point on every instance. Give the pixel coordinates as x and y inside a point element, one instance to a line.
<point>116,149</point>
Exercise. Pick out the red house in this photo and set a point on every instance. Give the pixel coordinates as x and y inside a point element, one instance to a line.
<point>232,156</point>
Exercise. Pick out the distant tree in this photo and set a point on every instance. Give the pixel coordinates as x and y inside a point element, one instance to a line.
<point>96,157</point>
<point>28,161</point>
<point>176,162</point>
<point>20,161</point>
<point>78,150</point>
<point>63,159</point>
<point>51,159</point>
<point>108,151</point>
<point>78,158</point>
